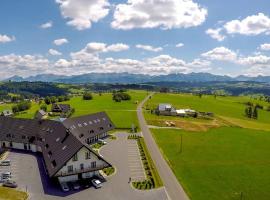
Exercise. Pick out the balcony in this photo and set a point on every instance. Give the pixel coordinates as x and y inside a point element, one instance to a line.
<point>86,169</point>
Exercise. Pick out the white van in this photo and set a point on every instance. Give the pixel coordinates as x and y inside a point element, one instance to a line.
<point>5,163</point>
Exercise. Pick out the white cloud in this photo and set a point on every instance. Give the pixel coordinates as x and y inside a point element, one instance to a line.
<point>221,54</point>
<point>265,47</point>
<point>166,14</point>
<point>46,25</point>
<point>82,13</point>
<point>96,47</point>
<point>179,45</point>
<point>251,25</point>
<point>149,48</point>
<point>5,38</point>
<point>54,52</point>
<point>60,42</point>
<point>215,34</point>
<point>117,47</point>
<point>23,65</point>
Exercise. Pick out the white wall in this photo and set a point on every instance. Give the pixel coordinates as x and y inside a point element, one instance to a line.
<point>20,146</point>
<point>68,178</point>
<point>81,159</point>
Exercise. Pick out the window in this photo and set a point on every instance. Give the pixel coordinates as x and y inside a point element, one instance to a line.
<point>23,137</point>
<point>75,157</point>
<point>50,154</point>
<point>70,168</point>
<point>82,166</point>
<point>53,164</point>
<point>46,146</point>
<point>87,155</point>
<point>93,164</point>
<point>81,135</point>
<point>11,144</point>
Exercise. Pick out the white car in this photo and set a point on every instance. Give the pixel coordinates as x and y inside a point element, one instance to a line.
<point>96,183</point>
<point>5,163</point>
<point>102,141</point>
<point>64,187</point>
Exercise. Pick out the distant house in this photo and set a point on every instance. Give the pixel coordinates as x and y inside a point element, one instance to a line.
<point>166,109</point>
<point>185,112</point>
<point>7,113</point>
<point>41,114</point>
<point>62,108</point>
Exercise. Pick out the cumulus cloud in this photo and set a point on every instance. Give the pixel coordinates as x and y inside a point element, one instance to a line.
<point>82,13</point>
<point>251,25</point>
<point>46,25</point>
<point>265,47</point>
<point>215,34</point>
<point>96,47</point>
<point>54,52</point>
<point>149,48</point>
<point>23,65</point>
<point>60,42</point>
<point>5,38</point>
<point>220,54</point>
<point>166,14</point>
<point>179,45</point>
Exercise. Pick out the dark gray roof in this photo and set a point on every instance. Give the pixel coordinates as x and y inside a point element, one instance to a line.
<point>58,141</point>
<point>89,125</point>
<point>60,108</point>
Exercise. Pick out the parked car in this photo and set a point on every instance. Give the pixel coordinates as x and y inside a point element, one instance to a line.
<point>64,187</point>
<point>75,185</point>
<point>6,175</point>
<point>5,163</point>
<point>102,141</point>
<point>96,183</point>
<point>10,183</point>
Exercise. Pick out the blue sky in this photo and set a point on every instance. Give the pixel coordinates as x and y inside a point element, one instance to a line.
<point>220,37</point>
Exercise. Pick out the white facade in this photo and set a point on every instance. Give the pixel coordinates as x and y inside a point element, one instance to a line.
<point>84,160</point>
<point>20,146</point>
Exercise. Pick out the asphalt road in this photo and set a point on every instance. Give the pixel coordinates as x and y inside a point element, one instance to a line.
<point>173,187</point>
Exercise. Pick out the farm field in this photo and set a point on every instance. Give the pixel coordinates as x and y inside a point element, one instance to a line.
<point>220,164</point>
<point>123,114</point>
<point>228,110</point>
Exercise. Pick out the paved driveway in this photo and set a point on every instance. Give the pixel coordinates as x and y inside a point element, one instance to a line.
<point>27,170</point>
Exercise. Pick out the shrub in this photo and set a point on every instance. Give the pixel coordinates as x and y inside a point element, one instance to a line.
<point>87,96</point>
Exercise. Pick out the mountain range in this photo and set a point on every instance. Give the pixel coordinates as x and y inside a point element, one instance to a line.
<point>136,78</point>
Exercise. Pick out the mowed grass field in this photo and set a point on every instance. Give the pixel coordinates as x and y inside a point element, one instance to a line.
<point>219,164</point>
<point>229,109</point>
<point>123,114</point>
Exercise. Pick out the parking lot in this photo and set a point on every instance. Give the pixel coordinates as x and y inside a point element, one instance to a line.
<point>28,171</point>
<point>135,162</point>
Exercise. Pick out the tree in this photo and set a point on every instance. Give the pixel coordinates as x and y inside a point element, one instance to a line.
<point>255,113</point>
<point>53,99</point>
<point>47,100</point>
<point>248,111</point>
<point>43,107</point>
<point>87,96</point>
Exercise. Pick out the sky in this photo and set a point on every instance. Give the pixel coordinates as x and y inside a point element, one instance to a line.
<point>71,37</point>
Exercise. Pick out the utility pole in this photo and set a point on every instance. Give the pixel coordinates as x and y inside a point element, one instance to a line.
<point>181,144</point>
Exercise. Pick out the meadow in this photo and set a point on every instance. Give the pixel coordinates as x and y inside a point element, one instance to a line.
<point>229,109</point>
<point>123,114</point>
<point>220,164</point>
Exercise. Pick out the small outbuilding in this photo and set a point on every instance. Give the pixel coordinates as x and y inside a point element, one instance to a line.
<point>7,113</point>
<point>41,114</point>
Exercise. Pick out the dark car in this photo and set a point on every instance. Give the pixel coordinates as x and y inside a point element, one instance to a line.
<point>11,184</point>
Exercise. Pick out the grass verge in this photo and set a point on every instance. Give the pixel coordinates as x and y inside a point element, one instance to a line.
<point>153,179</point>
<point>12,194</point>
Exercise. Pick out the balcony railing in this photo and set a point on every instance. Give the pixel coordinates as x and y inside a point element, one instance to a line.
<point>84,170</point>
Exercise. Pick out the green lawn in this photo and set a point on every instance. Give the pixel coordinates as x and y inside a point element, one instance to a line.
<point>228,108</point>
<point>123,114</point>
<point>219,164</point>
<point>12,194</point>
